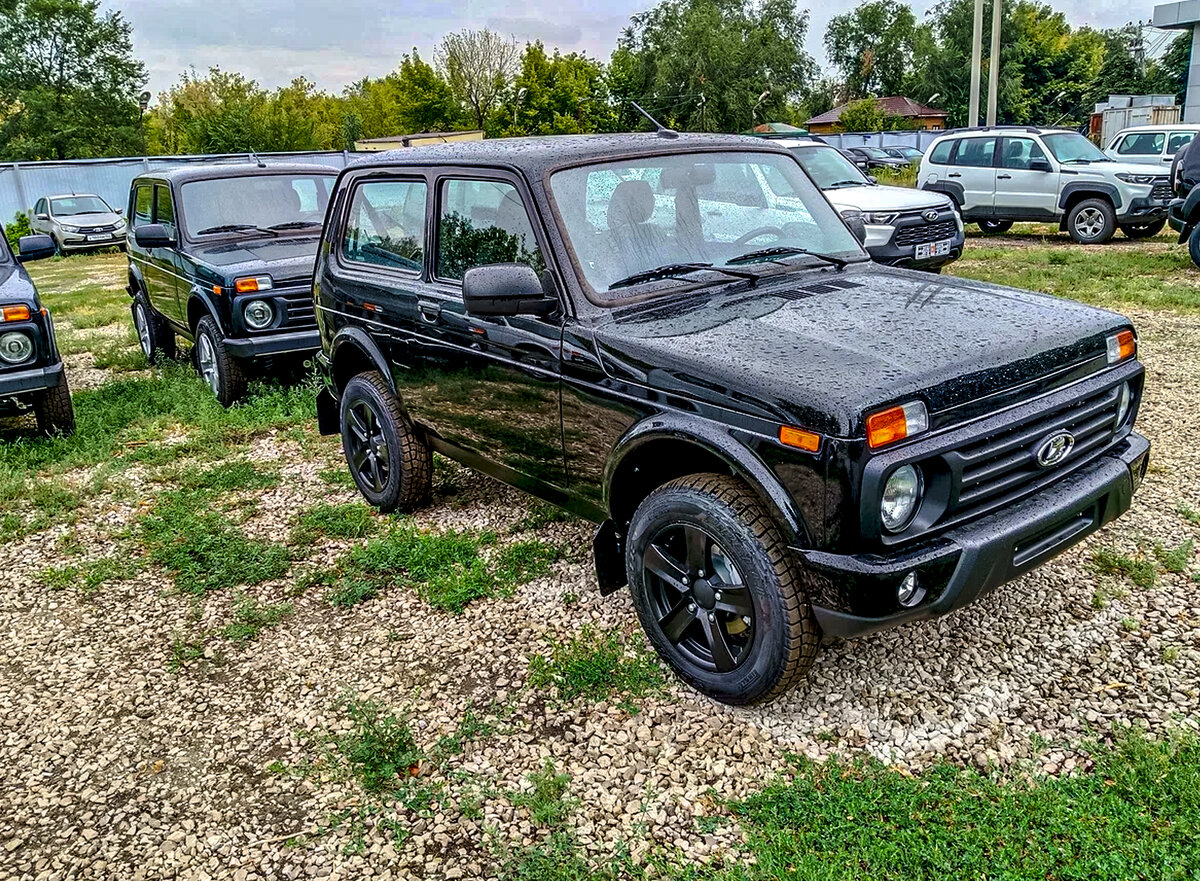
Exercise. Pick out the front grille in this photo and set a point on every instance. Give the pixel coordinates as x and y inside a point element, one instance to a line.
<point>1162,192</point>
<point>300,312</point>
<point>1003,466</point>
<point>96,229</point>
<point>924,233</point>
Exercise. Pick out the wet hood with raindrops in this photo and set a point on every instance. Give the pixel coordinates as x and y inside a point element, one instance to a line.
<point>822,348</point>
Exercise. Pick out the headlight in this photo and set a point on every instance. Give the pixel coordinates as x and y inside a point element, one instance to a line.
<point>1123,404</point>
<point>15,347</point>
<point>258,314</point>
<point>1135,178</point>
<point>68,228</point>
<point>901,498</point>
<point>879,217</point>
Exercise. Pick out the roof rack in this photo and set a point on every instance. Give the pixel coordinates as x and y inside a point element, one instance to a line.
<point>1002,128</point>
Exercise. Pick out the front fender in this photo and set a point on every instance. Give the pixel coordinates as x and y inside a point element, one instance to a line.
<point>722,442</point>
<point>200,304</point>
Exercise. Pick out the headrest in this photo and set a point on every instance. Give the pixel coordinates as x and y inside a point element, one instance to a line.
<point>631,203</point>
<point>698,175</point>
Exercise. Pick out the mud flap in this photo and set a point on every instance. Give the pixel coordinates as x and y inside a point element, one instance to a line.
<point>608,548</point>
<point>328,419</point>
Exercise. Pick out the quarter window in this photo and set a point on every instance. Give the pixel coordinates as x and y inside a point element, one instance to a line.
<point>1178,141</point>
<point>483,222</point>
<point>940,154</point>
<point>143,206</point>
<point>1143,144</point>
<point>976,152</point>
<point>387,224</point>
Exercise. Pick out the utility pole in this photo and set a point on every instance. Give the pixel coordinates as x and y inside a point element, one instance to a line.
<point>976,62</point>
<point>994,62</point>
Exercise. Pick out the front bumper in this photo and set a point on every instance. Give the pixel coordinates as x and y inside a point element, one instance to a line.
<point>31,379</point>
<point>85,242</point>
<point>292,343</point>
<point>1144,209</point>
<point>972,560</point>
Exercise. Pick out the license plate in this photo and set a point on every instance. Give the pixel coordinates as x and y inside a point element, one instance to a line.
<point>99,238</point>
<point>934,249</point>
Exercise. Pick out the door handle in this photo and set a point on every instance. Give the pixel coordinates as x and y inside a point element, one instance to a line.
<point>429,312</point>
<point>954,174</point>
<point>1004,177</point>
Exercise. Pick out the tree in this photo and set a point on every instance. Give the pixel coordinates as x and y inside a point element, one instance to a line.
<point>478,65</point>
<point>557,95</point>
<point>69,82</point>
<point>703,64</point>
<point>1170,71</point>
<point>872,47</point>
<point>425,101</point>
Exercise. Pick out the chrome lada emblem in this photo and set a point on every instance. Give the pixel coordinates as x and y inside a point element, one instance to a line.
<point>931,215</point>
<point>1055,449</point>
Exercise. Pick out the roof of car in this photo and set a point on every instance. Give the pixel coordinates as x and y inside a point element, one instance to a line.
<point>214,170</point>
<point>536,155</point>
<point>72,196</point>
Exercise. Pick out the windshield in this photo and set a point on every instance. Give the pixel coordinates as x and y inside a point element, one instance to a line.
<point>829,168</point>
<point>67,206</point>
<point>644,219</point>
<point>273,202</point>
<point>1073,147</point>
<point>873,152</point>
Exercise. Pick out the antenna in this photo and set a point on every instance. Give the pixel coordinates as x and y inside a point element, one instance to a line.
<point>661,130</point>
<point>254,157</point>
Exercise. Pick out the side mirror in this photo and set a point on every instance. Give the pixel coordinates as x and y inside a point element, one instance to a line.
<point>153,235</point>
<point>1039,165</point>
<point>42,216</point>
<point>505,289</point>
<point>34,247</point>
<point>858,227</point>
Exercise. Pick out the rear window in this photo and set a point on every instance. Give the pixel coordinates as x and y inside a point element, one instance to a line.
<point>1178,141</point>
<point>976,152</point>
<point>940,154</point>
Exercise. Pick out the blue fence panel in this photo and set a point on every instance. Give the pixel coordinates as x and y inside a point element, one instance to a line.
<point>23,183</point>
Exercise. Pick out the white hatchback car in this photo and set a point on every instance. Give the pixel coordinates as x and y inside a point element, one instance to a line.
<point>1001,174</point>
<point>1151,144</point>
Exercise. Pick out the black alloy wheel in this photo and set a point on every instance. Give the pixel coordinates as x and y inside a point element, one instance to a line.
<point>366,447</point>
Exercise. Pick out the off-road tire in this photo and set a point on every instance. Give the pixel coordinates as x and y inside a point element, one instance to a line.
<point>1194,246</point>
<point>1143,230</point>
<point>786,637</point>
<point>53,410</point>
<point>1106,226</point>
<point>995,227</point>
<point>228,382</point>
<point>406,487</point>
<point>159,339</point>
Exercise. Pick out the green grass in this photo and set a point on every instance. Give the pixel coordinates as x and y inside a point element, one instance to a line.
<point>447,569</point>
<point>228,476</point>
<point>1191,515</point>
<point>1112,275</point>
<point>1141,571</point>
<point>594,666</point>
<point>897,177</point>
<point>546,800</point>
<point>88,578</point>
<point>379,750</point>
<point>250,619</point>
<point>183,650</point>
<point>352,520</point>
<point>1176,559</point>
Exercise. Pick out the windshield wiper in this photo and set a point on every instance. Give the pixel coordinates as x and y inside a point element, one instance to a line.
<point>295,224</point>
<point>236,227</point>
<point>837,184</point>
<point>784,251</point>
<point>673,269</point>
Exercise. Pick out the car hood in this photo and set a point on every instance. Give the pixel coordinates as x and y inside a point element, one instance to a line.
<point>820,349</point>
<point>1108,169</point>
<point>16,286</point>
<point>882,198</point>
<point>285,259</point>
<point>95,218</point>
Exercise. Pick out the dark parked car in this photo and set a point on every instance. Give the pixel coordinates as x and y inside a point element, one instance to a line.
<point>859,160</point>
<point>778,439</point>
<point>31,370</point>
<point>908,154</point>
<point>877,158</point>
<point>222,255</point>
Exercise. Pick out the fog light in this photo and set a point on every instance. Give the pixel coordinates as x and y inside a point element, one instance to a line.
<point>909,593</point>
<point>15,347</point>
<point>258,314</point>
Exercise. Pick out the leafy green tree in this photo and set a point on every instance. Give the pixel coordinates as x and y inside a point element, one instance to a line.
<point>865,115</point>
<point>424,100</point>
<point>702,65</point>
<point>220,113</point>
<point>557,94</point>
<point>69,82</point>
<point>872,47</point>
<point>1170,72</point>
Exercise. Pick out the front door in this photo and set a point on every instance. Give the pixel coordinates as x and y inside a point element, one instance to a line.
<point>1021,190</point>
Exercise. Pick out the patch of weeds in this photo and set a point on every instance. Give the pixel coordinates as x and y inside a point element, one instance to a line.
<point>120,356</point>
<point>87,578</point>
<point>547,800</point>
<point>447,569</point>
<point>184,650</point>
<point>570,598</point>
<point>470,727</point>
<point>446,475</point>
<point>236,475</point>
<point>593,666</point>
<point>1129,625</point>
<point>1170,654</point>
<point>1191,515</point>
<point>202,551</point>
<point>339,477</point>
<point>1109,561</point>
<point>541,515</point>
<point>1176,559</point>
<point>352,520</point>
<point>250,618</point>
<point>380,749</point>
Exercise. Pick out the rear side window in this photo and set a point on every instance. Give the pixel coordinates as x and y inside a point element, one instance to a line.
<point>1142,144</point>
<point>143,205</point>
<point>1178,141</point>
<point>976,152</point>
<point>483,222</point>
<point>387,224</point>
<point>940,154</point>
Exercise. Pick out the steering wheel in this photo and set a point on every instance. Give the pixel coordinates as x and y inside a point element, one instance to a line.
<point>760,231</point>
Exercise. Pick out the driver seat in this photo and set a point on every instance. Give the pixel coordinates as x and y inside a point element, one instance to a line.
<point>637,244</point>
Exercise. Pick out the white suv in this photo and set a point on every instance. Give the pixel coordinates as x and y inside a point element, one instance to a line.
<point>1001,174</point>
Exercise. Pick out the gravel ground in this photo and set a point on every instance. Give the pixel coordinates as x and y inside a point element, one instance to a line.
<point>113,766</point>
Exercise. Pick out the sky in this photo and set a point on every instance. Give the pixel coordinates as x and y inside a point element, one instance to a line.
<point>335,43</point>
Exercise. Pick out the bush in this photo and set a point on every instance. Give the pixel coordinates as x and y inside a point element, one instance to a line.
<point>19,227</point>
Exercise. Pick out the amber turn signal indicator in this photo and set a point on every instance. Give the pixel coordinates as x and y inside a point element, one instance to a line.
<point>1120,346</point>
<point>791,436</point>
<point>250,285</point>
<point>16,313</point>
<point>896,423</point>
